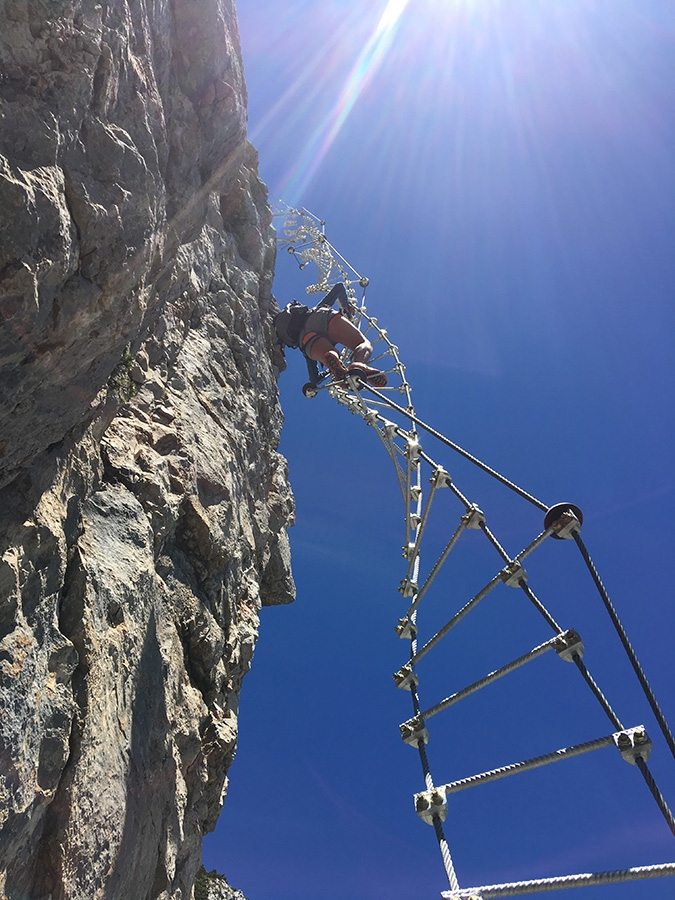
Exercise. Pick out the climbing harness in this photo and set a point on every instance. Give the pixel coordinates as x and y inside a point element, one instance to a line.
<point>398,429</point>
<point>291,323</point>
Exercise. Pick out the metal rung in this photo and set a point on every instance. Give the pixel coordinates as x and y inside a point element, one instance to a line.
<point>437,567</point>
<point>527,765</point>
<point>540,885</point>
<point>493,676</point>
<point>490,586</point>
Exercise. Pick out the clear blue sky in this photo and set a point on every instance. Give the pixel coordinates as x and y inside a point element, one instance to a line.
<point>504,174</point>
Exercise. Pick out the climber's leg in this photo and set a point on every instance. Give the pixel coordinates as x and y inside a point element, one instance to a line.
<point>341,331</point>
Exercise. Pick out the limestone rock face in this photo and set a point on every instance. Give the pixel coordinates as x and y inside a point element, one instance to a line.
<point>212,886</point>
<point>143,505</point>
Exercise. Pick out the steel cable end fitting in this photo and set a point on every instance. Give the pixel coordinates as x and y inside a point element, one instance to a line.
<point>431,804</point>
<point>565,519</point>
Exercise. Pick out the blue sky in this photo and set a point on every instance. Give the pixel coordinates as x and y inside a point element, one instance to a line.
<point>503,173</point>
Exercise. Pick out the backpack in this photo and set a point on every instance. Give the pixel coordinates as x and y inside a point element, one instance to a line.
<point>290,322</point>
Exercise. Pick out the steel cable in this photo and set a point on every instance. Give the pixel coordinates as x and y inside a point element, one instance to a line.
<point>462,452</point>
<point>632,656</point>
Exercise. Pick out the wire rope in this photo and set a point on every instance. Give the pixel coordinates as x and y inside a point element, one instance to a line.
<point>632,656</point>
<point>539,885</point>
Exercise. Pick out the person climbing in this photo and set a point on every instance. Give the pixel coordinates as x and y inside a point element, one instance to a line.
<point>317,331</point>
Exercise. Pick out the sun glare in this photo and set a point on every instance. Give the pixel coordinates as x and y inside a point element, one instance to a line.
<point>362,72</point>
<point>391,15</point>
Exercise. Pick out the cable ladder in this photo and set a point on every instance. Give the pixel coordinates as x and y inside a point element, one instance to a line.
<point>398,429</point>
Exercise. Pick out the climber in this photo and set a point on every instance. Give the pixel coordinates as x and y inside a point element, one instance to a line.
<point>317,331</point>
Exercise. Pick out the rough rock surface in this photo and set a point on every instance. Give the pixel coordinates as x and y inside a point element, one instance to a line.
<point>212,886</point>
<point>143,505</point>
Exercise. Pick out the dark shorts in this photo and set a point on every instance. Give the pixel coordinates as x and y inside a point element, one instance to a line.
<point>316,326</point>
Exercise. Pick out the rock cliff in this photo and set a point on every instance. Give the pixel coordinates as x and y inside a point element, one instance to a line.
<point>143,505</point>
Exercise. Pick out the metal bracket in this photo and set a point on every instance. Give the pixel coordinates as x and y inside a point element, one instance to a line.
<point>473,518</point>
<point>405,678</point>
<point>450,895</point>
<point>413,449</point>
<point>633,743</point>
<point>568,645</point>
<point>406,629</point>
<point>409,551</point>
<point>440,478</point>
<point>408,588</point>
<point>415,493</point>
<point>565,519</point>
<point>431,804</point>
<point>413,731</point>
<point>513,573</point>
<point>389,428</point>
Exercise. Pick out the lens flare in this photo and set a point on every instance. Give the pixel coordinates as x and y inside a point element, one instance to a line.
<point>322,138</point>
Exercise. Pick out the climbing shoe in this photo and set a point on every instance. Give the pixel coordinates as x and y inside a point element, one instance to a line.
<point>367,373</point>
<point>334,365</point>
